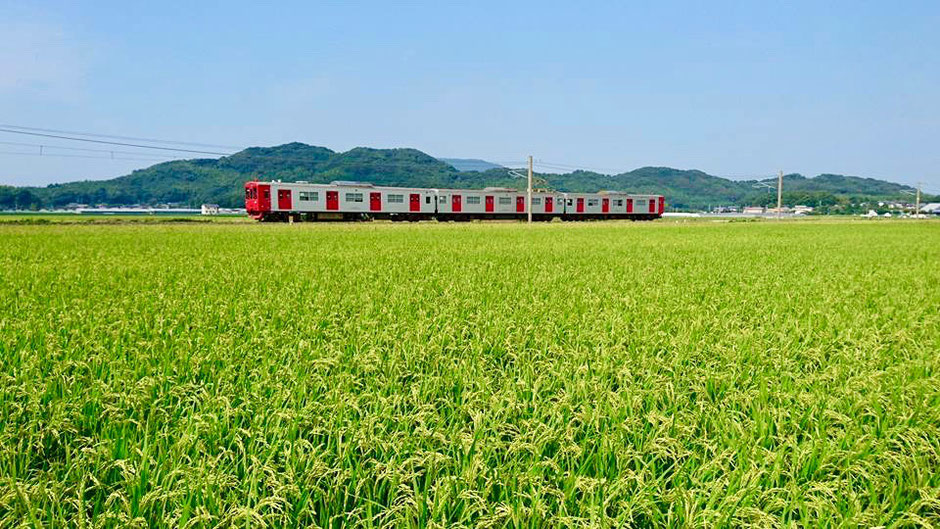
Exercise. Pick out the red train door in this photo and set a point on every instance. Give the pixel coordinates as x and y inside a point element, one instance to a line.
<point>605,205</point>
<point>332,200</point>
<point>520,204</point>
<point>629,205</point>
<point>264,197</point>
<point>580,205</point>
<point>414,203</point>
<point>549,206</point>
<point>283,199</point>
<point>455,203</point>
<point>489,204</point>
<point>652,205</point>
<point>375,201</point>
<point>662,205</point>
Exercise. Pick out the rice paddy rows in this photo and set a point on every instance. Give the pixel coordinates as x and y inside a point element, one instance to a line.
<point>485,375</point>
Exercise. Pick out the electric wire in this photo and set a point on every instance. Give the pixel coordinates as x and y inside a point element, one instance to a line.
<point>87,156</point>
<point>45,147</point>
<point>132,138</point>
<point>123,144</point>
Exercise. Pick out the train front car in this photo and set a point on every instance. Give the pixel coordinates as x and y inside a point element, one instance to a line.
<point>258,200</point>
<point>341,200</point>
<point>269,201</point>
<point>261,204</point>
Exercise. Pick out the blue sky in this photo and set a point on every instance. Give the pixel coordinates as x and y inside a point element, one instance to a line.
<point>733,88</point>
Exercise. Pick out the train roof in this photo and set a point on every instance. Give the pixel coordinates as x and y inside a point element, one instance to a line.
<point>342,184</point>
<point>491,189</point>
<point>496,190</point>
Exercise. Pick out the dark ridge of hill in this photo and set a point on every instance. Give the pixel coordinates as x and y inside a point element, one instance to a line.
<point>470,164</point>
<point>197,181</point>
<point>843,185</point>
<point>287,157</point>
<point>388,167</point>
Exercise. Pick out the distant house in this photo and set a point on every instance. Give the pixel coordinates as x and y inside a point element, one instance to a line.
<point>210,209</point>
<point>802,210</point>
<point>753,210</point>
<point>932,208</point>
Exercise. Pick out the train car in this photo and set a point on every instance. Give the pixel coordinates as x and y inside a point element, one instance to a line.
<point>496,203</point>
<point>639,207</point>
<point>282,201</point>
<point>612,205</point>
<point>646,206</point>
<point>585,205</point>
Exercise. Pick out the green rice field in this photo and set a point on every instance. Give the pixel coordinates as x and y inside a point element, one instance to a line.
<point>662,374</point>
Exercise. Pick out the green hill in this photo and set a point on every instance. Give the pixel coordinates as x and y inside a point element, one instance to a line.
<point>198,181</point>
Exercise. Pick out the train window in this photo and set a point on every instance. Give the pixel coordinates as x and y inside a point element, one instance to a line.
<point>505,201</point>
<point>618,202</point>
<point>592,202</point>
<point>427,199</point>
<point>536,201</point>
<point>396,199</point>
<point>267,193</point>
<point>442,199</point>
<point>353,197</point>
<point>473,200</point>
<point>311,196</point>
<point>570,202</point>
<point>247,194</point>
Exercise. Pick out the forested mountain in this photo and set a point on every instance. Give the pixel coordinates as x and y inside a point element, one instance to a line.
<point>198,181</point>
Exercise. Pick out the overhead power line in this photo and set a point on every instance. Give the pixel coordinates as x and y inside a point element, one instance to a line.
<point>123,144</point>
<point>575,167</point>
<point>64,155</point>
<point>30,131</point>
<point>132,138</point>
<point>45,148</point>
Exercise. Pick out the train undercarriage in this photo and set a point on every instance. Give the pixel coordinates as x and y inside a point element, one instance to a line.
<point>450,217</point>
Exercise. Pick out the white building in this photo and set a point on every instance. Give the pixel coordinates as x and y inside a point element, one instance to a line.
<point>210,209</point>
<point>932,208</point>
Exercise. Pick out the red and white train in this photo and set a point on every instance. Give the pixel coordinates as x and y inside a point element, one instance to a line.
<point>282,201</point>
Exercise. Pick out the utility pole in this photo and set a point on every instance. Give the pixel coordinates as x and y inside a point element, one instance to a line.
<point>779,194</point>
<point>917,202</point>
<point>528,206</point>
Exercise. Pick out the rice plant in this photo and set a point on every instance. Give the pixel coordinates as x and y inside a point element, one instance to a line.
<point>473,375</point>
